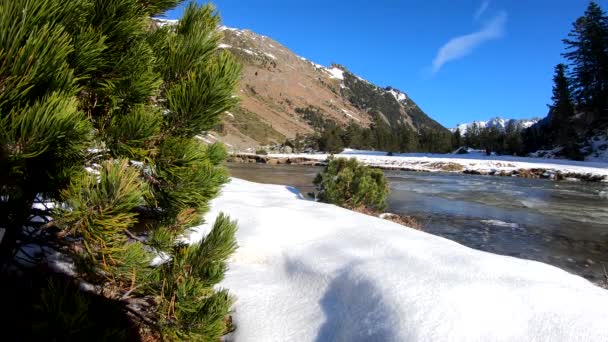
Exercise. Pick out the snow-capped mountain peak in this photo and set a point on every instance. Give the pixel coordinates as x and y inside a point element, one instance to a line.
<point>497,122</point>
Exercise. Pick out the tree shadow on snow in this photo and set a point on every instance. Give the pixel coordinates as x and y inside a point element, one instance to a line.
<point>296,192</point>
<point>355,310</point>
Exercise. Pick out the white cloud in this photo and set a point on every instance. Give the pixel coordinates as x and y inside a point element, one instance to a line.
<point>462,46</point>
<point>481,10</point>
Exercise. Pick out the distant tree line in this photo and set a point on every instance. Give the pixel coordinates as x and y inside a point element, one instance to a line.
<point>380,136</point>
<point>491,139</point>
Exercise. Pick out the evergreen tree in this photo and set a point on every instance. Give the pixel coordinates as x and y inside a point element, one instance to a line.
<point>513,139</point>
<point>561,131</point>
<point>562,109</point>
<point>97,84</point>
<point>456,139</point>
<point>588,54</point>
<point>472,136</point>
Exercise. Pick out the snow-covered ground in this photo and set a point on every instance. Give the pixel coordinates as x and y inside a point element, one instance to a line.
<point>470,162</point>
<point>307,271</point>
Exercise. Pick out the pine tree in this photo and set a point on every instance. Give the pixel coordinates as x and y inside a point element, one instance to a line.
<point>588,54</point>
<point>561,131</point>
<point>97,84</point>
<point>456,139</point>
<point>562,108</point>
<point>472,136</point>
<point>513,139</point>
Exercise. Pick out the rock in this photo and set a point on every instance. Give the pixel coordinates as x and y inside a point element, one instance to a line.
<point>287,149</point>
<point>272,161</point>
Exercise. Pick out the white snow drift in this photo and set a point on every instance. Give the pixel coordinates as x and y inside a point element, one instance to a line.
<point>308,271</point>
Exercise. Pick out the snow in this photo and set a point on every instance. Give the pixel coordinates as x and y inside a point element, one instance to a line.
<point>475,161</point>
<point>349,114</point>
<point>500,123</point>
<point>599,148</point>
<point>336,73</point>
<point>162,22</point>
<point>270,55</point>
<point>247,51</point>
<point>499,223</point>
<point>399,96</point>
<point>307,271</point>
<point>224,46</point>
<point>224,28</point>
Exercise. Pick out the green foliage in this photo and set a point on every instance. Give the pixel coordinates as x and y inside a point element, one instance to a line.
<point>99,208</point>
<point>190,307</point>
<point>330,140</point>
<point>156,7</point>
<point>382,137</point>
<point>315,117</point>
<point>186,176</point>
<point>42,145</point>
<point>197,102</point>
<point>132,135</point>
<point>97,73</point>
<point>456,139</point>
<point>493,139</point>
<point>580,87</point>
<point>350,184</point>
<point>561,111</point>
<point>587,46</point>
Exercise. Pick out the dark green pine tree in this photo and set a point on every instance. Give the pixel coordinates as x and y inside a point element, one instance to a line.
<point>98,85</point>
<point>472,136</point>
<point>456,139</point>
<point>513,139</point>
<point>561,131</point>
<point>587,43</point>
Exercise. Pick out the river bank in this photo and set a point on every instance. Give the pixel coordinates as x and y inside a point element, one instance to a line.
<point>309,271</point>
<point>564,224</point>
<point>476,164</point>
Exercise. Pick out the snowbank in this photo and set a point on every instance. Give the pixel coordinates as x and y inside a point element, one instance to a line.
<point>308,271</point>
<point>472,162</point>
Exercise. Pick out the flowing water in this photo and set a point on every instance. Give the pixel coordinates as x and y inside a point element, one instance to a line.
<point>564,224</point>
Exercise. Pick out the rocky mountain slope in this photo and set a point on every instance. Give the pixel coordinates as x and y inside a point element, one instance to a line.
<point>283,94</point>
<point>498,122</point>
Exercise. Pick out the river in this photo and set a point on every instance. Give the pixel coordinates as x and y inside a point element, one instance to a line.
<point>564,224</point>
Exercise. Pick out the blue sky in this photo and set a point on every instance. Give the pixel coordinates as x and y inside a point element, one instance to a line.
<point>459,60</point>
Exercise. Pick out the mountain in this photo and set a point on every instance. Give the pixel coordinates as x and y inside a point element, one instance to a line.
<point>496,122</point>
<point>283,94</point>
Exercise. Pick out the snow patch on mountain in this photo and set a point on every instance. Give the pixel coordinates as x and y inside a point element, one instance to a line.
<point>399,96</point>
<point>335,72</point>
<point>270,55</point>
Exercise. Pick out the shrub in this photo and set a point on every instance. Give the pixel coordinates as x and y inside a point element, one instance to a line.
<point>99,112</point>
<point>350,184</point>
<point>261,151</point>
